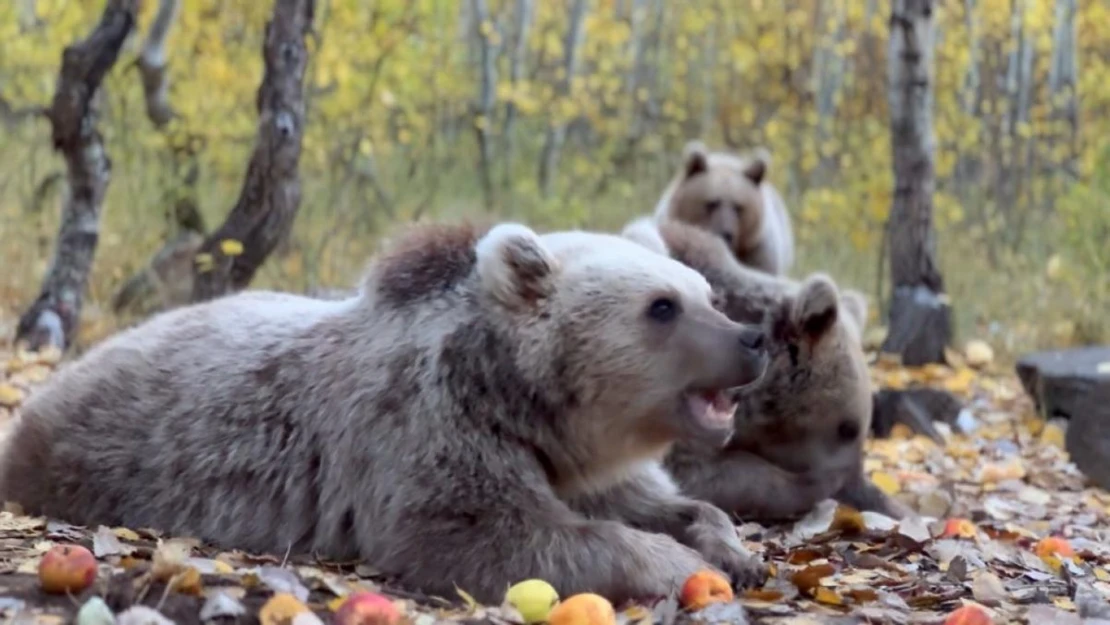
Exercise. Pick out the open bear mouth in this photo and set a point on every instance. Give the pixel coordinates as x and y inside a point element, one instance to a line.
<point>711,408</point>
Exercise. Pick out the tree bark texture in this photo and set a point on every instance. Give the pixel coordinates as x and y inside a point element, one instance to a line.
<point>920,319</point>
<point>487,92</point>
<point>271,194</point>
<point>53,317</point>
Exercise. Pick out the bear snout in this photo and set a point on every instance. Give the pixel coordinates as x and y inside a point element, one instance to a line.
<point>752,338</point>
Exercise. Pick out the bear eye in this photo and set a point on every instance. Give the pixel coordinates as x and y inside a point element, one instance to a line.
<point>663,310</point>
<point>847,430</point>
<point>712,205</point>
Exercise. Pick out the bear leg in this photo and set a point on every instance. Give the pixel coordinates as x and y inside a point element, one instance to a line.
<point>650,501</point>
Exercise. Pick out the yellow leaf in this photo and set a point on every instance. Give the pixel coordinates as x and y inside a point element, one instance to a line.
<point>960,382</point>
<point>901,431</point>
<point>471,604</point>
<point>1000,472</point>
<point>123,533</point>
<point>231,247</point>
<point>281,609</point>
<point>10,396</point>
<point>827,596</point>
<point>979,354</point>
<point>1052,434</point>
<point>847,519</point>
<point>187,582</point>
<point>1064,603</point>
<point>886,482</point>
<point>334,604</point>
<point>204,262</point>
<point>1102,575</point>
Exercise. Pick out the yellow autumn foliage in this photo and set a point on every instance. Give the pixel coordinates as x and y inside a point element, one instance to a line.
<point>391,135</point>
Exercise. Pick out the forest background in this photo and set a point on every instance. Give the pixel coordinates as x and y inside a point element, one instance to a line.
<point>573,114</point>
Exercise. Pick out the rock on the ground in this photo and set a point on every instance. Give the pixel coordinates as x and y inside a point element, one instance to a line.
<point>914,407</point>
<point>1074,384</point>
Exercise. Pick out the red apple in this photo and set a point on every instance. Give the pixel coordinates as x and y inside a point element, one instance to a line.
<point>67,568</point>
<point>366,608</point>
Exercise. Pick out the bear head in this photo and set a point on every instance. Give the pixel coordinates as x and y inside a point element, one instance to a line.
<point>812,409</point>
<point>631,339</point>
<point>720,192</point>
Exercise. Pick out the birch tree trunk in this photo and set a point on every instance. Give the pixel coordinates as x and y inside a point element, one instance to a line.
<point>1063,76</point>
<point>557,129</point>
<point>485,34</point>
<point>271,194</point>
<point>53,317</point>
<point>920,318</point>
<point>522,22</point>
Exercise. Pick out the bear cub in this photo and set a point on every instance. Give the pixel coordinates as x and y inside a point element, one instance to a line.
<point>491,406</point>
<point>731,196</point>
<point>799,432</point>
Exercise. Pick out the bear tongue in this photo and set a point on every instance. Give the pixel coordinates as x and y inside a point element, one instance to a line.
<point>713,408</point>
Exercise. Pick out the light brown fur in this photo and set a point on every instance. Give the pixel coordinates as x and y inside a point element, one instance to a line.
<point>453,424</point>
<point>800,431</point>
<point>730,196</point>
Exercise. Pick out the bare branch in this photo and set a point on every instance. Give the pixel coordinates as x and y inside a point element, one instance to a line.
<point>152,65</point>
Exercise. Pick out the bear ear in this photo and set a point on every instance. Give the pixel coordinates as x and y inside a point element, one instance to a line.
<point>816,306</point>
<point>855,306</point>
<point>514,266</point>
<point>759,161</point>
<point>644,232</point>
<point>695,159</point>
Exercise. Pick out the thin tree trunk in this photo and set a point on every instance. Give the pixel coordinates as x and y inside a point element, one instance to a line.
<point>271,194</point>
<point>557,130</point>
<point>920,318</point>
<point>168,274</point>
<point>485,33</point>
<point>53,317</point>
<point>523,15</point>
<point>829,70</point>
<point>1063,75</point>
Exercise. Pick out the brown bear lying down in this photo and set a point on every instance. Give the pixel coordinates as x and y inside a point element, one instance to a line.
<point>491,406</point>
<point>800,431</point>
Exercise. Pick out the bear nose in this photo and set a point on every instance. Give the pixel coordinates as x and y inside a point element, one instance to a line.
<point>751,339</point>
<point>727,237</point>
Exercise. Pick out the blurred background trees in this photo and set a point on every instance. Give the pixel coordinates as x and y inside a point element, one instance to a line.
<point>570,114</point>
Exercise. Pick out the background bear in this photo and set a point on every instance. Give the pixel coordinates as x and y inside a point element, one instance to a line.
<point>490,407</point>
<point>730,196</point>
<point>800,431</point>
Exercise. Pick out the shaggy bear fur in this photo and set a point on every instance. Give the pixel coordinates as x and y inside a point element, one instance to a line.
<point>731,196</point>
<point>800,431</point>
<point>490,407</point>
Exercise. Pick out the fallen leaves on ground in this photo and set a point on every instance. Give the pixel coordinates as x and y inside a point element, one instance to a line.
<point>1007,532</point>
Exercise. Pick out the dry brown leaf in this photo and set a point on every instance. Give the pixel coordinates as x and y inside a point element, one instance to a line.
<point>280,609</point>
<point>810,577</point>
<point>763,594</point>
